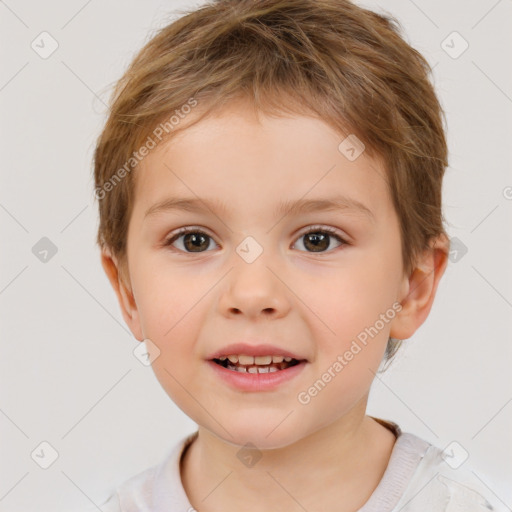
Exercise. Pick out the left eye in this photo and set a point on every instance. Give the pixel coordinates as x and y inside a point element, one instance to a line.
<point>317,239</point>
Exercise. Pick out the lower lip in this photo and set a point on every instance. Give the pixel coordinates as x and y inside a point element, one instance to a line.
<point>256,381</point>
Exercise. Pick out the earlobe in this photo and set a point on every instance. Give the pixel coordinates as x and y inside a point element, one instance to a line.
<point>123,292</point>
<point>420,289</point>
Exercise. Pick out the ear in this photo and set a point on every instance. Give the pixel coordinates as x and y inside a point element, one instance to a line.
<point>419,289</point>
<point>123,292</point>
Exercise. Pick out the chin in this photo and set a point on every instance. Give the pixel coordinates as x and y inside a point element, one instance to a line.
<point>263,434</point>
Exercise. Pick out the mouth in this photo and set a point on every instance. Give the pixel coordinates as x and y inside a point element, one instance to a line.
<point>252,368</point>
<point>256,364</point>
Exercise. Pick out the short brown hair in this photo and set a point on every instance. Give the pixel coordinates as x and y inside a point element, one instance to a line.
<point>329,58</point>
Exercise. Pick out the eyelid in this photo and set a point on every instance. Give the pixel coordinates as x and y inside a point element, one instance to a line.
<point>342,235</point>
<point>318,227</point>
<point>172,237</point>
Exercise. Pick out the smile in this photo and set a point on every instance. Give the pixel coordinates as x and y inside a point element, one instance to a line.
<point>255,364</point>
<point>258,373</point>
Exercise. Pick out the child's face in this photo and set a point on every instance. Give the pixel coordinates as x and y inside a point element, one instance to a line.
<point>310,296</point>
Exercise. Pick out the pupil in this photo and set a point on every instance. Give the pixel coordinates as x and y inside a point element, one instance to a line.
<point>319,241</point>
<point>195,240</point>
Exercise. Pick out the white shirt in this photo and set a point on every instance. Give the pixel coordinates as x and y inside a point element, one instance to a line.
<point>417,479</point>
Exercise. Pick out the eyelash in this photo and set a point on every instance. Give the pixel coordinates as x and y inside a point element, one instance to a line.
<point>314,229</point>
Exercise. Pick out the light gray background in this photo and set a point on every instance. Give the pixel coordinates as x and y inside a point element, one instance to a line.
<point>68,375</point>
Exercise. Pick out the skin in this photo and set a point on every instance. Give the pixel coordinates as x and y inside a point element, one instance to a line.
<point>324,455</point>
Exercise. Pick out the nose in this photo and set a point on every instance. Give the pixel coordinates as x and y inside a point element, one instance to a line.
<point>254,290</point>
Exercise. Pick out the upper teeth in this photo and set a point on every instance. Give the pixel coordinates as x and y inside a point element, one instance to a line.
<point>248,360</point>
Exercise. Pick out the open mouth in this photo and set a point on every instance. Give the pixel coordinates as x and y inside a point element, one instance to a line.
<point>259,364</point>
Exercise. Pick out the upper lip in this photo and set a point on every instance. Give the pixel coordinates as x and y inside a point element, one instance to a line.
<point>253,350</point>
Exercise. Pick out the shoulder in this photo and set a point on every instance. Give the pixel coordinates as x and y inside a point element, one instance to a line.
<point>134,494</point>
<point>444,481</point>
<point>159,484</point>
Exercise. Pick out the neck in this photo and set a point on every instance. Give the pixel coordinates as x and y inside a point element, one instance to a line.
<point>335,468</point>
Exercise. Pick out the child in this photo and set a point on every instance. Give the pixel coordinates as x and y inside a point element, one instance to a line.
<point>269,184</point>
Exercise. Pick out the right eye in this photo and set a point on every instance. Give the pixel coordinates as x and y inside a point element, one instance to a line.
<point>194,240</point>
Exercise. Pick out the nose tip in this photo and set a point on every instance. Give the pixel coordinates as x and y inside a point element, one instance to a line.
<point>254,289</point>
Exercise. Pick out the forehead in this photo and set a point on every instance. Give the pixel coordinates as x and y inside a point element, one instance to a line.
<point>241,157</point>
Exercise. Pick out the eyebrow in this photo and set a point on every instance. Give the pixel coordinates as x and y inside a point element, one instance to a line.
<point>292,207</point>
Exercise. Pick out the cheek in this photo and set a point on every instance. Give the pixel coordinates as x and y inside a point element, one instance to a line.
<point>165,301</point>
<point>352,300</point>
<point>355,309</point>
